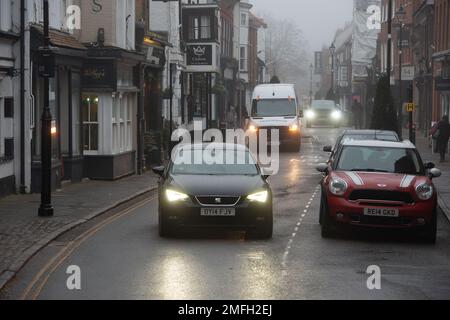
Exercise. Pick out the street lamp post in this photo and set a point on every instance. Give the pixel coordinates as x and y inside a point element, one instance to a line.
<point>400,13</point>
<point>311,67</point>
<point>332,51</point>
<point>47,72</point>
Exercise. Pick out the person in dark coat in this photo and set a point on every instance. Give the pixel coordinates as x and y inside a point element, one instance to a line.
<point>442,135</point>
<point>357,114</point>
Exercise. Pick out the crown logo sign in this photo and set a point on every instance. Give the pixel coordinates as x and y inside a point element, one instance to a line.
<point>199,51</point>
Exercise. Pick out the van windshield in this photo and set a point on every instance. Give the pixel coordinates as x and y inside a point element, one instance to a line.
<point>274,108</point>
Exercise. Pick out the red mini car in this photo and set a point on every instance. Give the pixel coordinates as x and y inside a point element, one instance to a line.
<point>379,184</point>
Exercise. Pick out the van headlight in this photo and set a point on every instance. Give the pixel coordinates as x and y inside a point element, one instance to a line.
<point>174,196</point>
<point>253,128</point>
<point>338,187</point>
<point>425,191</point>
<point>293,128</point>
<point>260,197</point>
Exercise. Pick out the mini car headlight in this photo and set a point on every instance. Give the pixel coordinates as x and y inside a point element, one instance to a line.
<point>173,196</point>
<point>338,187</point>
<point>425,191</point>
<point>293,128</point>
<point>260,197</point>
<point>336,115</point>
<point>310,114</point>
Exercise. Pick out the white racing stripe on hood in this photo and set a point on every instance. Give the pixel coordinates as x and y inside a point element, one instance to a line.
<point>355,178</point>
<point>406,181</point>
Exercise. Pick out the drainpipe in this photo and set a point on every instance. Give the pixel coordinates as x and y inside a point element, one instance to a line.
<point>22,97</point>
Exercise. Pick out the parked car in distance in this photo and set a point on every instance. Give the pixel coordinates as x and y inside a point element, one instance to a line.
<point>379,184</point>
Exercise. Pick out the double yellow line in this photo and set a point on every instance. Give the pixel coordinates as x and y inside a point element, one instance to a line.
<point>35,287</point>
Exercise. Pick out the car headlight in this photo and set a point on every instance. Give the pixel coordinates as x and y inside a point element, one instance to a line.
<point>253,128</point>
<point>338,187</point>
<point>174,196</point>
<point>336,115</point>
<point>260,197</point>
<point>310,114</point>
<point>425,191</point>
<point>293,128</point>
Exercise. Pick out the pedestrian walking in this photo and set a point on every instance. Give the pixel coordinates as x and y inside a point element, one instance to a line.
<point>357,114</point>
<point>441,134</point>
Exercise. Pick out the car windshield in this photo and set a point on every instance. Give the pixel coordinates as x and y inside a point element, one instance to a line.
<point>370,136</point>
<point>274,108</point>
<point>379,159</point>
<point>214,162</point>
<point>323,105</point>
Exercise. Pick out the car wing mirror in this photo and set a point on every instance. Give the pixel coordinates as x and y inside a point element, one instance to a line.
<point>266,173</point>
<point>159,171</point>
<point>301,114</point>
<point>322,168</point>
<point>435,173</point>
<point>328,149</point>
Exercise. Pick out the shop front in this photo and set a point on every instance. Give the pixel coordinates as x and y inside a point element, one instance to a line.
<point>109,107</point>
<point>65,94</point>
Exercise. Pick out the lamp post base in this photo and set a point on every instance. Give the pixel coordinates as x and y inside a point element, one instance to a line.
<point>46,211</point>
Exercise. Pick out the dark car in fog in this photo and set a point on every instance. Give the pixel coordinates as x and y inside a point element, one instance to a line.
<point>324,112</point>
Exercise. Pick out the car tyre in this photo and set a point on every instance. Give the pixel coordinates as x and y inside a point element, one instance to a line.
<point>328,228</point>
<point>165,229</point>
<point>263,231</point>
<point>429,234</point>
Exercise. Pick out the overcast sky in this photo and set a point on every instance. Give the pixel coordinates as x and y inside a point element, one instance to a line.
<point>318,19</point>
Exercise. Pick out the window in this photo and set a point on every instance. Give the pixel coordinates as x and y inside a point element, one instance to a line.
<point>243,19</point>
<point>9,148</point>
<point>122,123</point>
<point>8,108</point>
<point>200,27</point>
<point>90,122</point>
<point>243,59</point>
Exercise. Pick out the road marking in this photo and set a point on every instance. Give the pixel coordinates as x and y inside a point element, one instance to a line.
<point>70,248</point>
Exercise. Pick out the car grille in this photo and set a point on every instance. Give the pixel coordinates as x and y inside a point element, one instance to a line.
<point>212,201</point>
<point>381,195</point>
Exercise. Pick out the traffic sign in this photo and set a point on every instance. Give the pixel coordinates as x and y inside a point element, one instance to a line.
<point>410,107</point>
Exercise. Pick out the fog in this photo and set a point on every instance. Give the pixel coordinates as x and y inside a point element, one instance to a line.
<point>318,19</point>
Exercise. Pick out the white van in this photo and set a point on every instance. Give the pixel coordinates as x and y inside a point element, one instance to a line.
<point>275,106</point>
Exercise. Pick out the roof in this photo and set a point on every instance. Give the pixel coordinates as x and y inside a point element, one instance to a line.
<point>214,145</point>
<point>60,39</point>
<point>379,132</point>
<point>380,144</point>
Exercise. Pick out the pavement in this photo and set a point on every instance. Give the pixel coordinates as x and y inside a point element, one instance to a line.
<point>423,144</point>
<point>23,233</point>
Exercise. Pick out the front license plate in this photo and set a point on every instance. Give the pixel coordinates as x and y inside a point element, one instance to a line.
<point>381,212</point>
<point>218,212</point>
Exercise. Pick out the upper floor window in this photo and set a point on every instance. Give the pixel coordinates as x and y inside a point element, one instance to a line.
<point>243,19</point>
<point>200,27</point>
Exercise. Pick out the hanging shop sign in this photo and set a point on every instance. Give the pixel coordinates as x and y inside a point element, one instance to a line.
<point>99,74</point>
<point>200,55</point>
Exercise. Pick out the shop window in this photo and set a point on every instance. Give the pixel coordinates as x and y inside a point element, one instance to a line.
<point>90,122</point>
